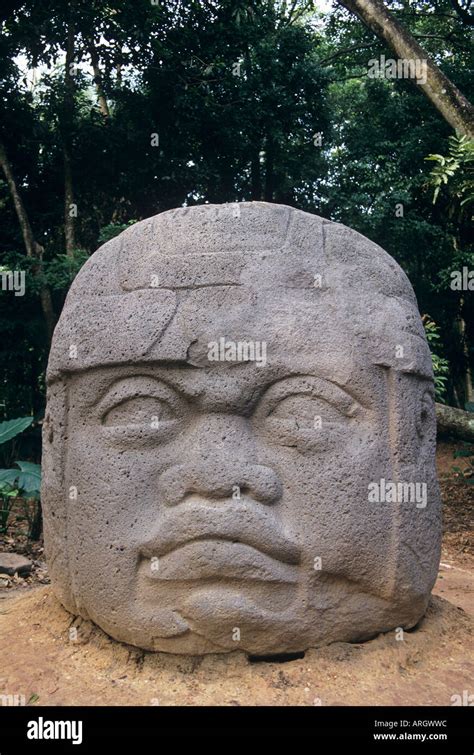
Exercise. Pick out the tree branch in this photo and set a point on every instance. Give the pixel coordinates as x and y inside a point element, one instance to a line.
<point>354,48</point>
<point>442,93</point>
<point>33,249</point>
<point>463,13</point>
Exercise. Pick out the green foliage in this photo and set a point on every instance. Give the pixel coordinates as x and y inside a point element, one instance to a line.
<point>7,501</point>
<point>13,427</point>
<point>24,481</point>
<point>440,364</point>
<point>60,271</point>
<point>456,168</point>
<point>113,229</point>
<point>236,92</point>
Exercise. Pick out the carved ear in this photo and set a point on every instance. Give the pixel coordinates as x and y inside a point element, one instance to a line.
<point>54,498</point>
<point>416,533</point>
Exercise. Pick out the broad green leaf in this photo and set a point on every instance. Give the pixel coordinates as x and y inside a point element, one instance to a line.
<point>13,427</point>
<point>9,476</point>
<point>29,478</point>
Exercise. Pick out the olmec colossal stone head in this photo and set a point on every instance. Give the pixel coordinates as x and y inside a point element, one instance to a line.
<point>240,433</point>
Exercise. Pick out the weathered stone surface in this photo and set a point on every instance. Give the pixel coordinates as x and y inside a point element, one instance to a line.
<point>12,563</point>
<point>239,439</point>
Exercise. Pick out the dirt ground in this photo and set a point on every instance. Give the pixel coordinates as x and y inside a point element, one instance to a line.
<point>456,573</point>
<point>429,666</point>
<point>45,663</point>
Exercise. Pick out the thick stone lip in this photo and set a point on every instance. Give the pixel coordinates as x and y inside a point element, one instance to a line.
<point>216,523</point>
<point>219,557</point>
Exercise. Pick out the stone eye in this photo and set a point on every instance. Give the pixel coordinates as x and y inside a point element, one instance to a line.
<point>139,411</point>
<point>303,411</point>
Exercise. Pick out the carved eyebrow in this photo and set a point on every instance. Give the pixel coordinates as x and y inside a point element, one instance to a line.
<point>131,386</point>
<point>310,385</point>
<point>135,384</point>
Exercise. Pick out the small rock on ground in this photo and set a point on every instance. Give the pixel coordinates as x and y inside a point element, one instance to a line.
<point>12,563</point>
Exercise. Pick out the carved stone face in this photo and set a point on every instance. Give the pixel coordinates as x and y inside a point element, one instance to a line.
<point>229,387</point>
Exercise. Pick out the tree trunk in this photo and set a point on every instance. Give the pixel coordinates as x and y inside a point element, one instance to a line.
<point>66,129</point>
<point>455,422</point>
<point>442,93</point>
<point>48,311</point>
<point>255,177</point>
<point>33,249</point>
<point>69,206</point>
<point>102,100</point>
<point>269,169</point>
<point>25,227</point>
<point>468,392</point>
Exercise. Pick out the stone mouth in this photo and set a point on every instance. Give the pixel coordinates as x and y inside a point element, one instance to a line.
<point>241,524</point>
<point>218,558</point>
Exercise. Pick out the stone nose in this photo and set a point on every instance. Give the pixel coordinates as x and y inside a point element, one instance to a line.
<point>220,464</point>
<point>219,479</point>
